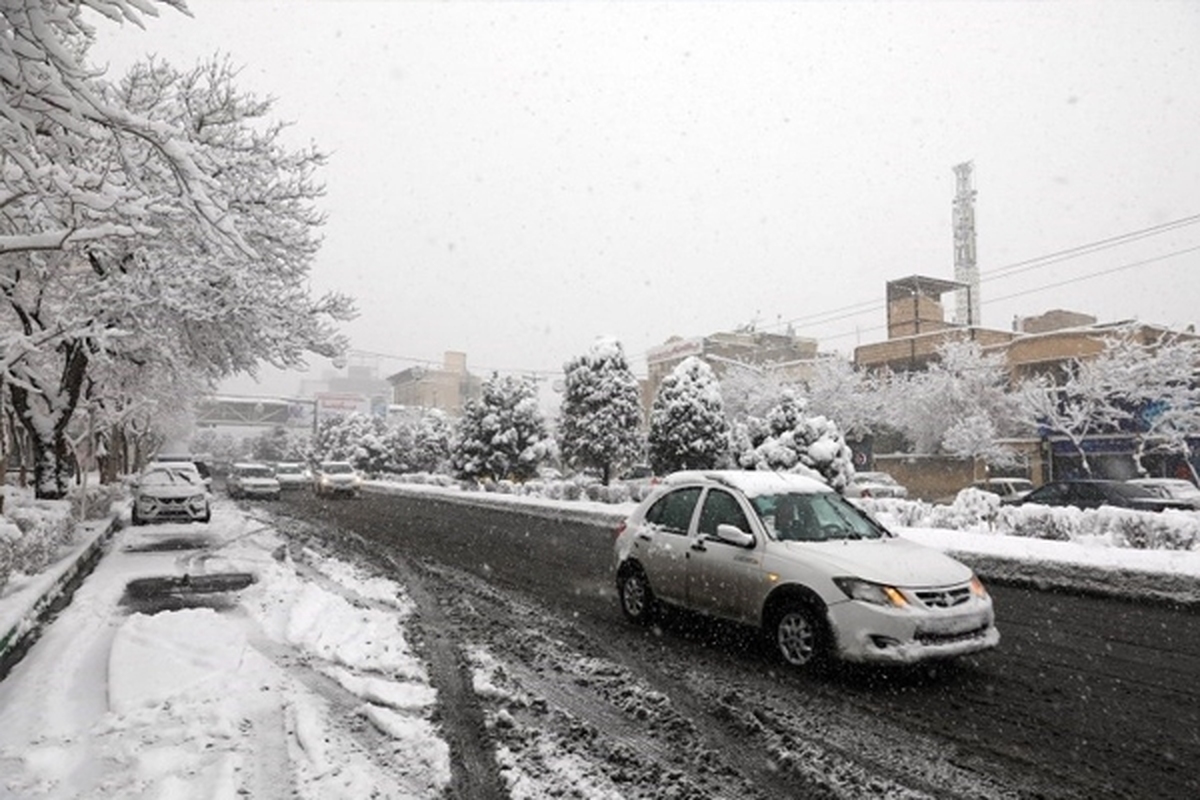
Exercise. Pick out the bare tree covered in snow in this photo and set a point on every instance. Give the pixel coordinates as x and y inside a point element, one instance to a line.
<point>947,408</point>
<point>158,221</point>
<point>502,434</point>
<point>688,429</point>
<point>1088,402</point>
<point>1150,389</point>
<point>600,421</point>
<point>839,391</point>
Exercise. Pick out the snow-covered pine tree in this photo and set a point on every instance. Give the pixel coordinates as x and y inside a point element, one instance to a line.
<point>688,429</point>
<point>599,426</point>
<point>502,434</point>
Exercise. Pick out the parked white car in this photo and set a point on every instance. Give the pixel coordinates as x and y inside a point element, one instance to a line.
<point>874,484</point>
<point>1171,488</point>
<point>166,492</point>
<point>787,554</point>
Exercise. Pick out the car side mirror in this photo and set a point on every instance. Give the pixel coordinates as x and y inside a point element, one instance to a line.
<point>734,535</point>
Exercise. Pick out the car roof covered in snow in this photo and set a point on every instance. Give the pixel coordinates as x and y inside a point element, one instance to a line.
<point>752,483</point>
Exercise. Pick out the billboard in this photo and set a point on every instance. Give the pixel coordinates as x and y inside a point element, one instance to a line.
<point>339,404</point>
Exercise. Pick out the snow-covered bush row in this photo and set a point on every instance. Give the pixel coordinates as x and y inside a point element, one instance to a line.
<point>32,533</point>
<point>982,512</point>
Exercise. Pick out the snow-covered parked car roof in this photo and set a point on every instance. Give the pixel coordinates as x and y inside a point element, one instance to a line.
<point>752,482</point>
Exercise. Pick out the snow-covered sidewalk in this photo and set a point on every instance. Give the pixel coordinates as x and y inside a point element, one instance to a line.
<point>304,687</point>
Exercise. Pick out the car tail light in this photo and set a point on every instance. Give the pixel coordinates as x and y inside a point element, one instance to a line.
<point>865,493</point>
<point>620,529</point>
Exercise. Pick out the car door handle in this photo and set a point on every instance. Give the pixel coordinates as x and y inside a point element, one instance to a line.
<point>699,545</point>
<point>645,537</point>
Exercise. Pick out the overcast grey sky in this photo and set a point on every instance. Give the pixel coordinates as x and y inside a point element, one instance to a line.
<point>514,179</point>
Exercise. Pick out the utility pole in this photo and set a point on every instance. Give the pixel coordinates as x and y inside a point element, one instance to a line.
<point>966,271</point>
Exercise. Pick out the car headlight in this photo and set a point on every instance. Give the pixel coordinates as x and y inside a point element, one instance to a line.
<point>875,593</point>
<point>977,587</point>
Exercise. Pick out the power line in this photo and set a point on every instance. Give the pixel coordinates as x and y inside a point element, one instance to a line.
<point>1056,285</point>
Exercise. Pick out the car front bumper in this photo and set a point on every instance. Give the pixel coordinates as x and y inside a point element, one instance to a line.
<point>869,633</point>
<point>177,509</point>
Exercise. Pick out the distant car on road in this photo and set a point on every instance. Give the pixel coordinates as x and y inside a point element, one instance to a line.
<point>874,484</point>
<point>1097,493</point>
<point>786,554</point>
<point>337,478</point>
<point>166,492</point>
<point>252,480</point>
<point>293,475</point>
<point>1174,488</point>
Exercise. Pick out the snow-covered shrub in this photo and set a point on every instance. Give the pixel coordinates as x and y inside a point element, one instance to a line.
<point>98,501</point>
<point>43,528</point>
<point>790,440</point>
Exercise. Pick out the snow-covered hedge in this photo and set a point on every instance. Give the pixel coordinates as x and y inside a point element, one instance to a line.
<point>33,532</point>
<point>978,511</point>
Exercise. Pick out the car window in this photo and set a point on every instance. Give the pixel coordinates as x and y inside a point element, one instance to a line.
<point>1089,493</point>
<point>255,472</point>
<point>673,512</point>
<point>1050,493</point>
<point>167,477</point>
<point>335,469</point>
<point>721,508</point>
<point>814,518</point>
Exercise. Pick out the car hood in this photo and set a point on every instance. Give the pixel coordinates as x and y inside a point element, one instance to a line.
<point>170,492</point>
<point>895,561</point>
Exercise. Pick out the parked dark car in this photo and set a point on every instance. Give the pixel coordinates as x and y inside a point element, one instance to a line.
<point>1096,493</point>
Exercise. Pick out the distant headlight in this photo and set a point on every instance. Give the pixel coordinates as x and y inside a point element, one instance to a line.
<point>874,593</point>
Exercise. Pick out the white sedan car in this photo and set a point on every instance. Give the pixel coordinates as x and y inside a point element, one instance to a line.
<point>166,492</point>
<point>790,556</point>
<point>874,484</point>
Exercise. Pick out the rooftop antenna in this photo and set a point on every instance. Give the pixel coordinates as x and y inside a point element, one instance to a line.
<point>966,271</point>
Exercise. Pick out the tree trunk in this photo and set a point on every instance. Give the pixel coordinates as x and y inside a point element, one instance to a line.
<point>51,453</point>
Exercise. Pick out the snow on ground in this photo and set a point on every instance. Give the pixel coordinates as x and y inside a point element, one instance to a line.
<point>306,686</point>
<point>261,699</point>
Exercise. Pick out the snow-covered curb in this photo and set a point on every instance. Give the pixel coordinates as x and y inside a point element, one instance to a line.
<point>1090,565</point>
<point>23,603</point>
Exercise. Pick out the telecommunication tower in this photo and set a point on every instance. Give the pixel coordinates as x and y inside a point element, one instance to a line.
<point>966,271</point>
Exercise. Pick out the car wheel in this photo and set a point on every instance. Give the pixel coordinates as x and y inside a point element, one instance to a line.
<point>637,600</point>
<point>800,636</point>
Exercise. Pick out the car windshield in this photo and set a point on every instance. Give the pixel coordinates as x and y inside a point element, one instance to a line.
<point>874,477</point>
<point>169,477</point>
<point>336,469</point>
<point>814,518</point>
<point>255,472</point>
<point>287,469</point>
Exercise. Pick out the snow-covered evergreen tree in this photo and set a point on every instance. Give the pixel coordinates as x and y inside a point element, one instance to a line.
<point>688,429</point>
<point>355,437</point>
<point>502,434</point>
<point>600,422</point>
